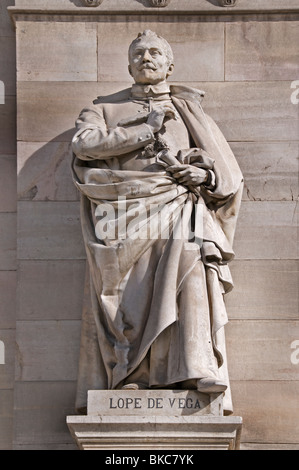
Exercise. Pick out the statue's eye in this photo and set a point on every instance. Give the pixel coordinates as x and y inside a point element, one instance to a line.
<point>137,54</point>
<point>155,52</point>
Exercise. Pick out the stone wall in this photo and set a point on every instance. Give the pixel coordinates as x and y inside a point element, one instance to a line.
<point>246,59</point>
<point>8,220</point>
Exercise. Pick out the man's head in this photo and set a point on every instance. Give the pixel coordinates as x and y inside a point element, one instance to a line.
<point>150,59</point>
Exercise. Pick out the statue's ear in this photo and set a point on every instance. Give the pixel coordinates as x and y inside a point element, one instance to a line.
<point>130,71</point>
<point>170,70</point>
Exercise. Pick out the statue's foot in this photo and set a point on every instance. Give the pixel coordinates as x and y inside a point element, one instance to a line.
<point>134,386</point>
<point>211,385</point>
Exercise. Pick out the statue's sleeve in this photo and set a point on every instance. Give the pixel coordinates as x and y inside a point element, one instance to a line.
<point>94,140</point>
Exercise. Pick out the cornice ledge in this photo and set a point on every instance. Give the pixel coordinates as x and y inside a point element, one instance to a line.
<point>191,8</point>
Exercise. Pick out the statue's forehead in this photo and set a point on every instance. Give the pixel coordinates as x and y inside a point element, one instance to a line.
<point>148,43</point>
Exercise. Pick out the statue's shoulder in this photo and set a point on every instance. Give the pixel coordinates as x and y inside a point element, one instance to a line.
<point>114,98</point>
<point>187,93</point>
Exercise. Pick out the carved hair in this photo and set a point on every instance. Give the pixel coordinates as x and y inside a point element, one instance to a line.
<point>150,34</point>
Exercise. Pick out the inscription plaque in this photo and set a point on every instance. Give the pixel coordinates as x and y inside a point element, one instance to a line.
<point>153,402</point>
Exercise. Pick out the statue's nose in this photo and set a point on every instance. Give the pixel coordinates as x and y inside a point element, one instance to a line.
<point>146,56</point>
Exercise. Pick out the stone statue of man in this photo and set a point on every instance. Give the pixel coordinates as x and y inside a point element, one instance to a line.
<point>160,193</point>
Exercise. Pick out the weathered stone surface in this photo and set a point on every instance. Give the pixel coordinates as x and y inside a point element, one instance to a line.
<point>50,290</point>
<point>267,230</point>
<point>52,57</point>
<point>8,183</point>
<point>7,370</point>
<point>70,445</point>
<point>266,446</point>
<point>147,330</point>
<point>153,402</point>
<point>261,111</point>
<point>44,172</point>
<point>156,432</point>
<point>40,410</point>
<point>264,289</point>
<point>45,3</point>
<point>49,230</point>
<point>261,350</point>
<point>174,6</point>
<point>264,113</point>
<point>270,170</point>
<point>257,50</point>
<point>7,223</point>
<point>159,3</point>
<point>56,121</point>
<point>8,226</point>
<point>207,60</point>
<point>47,350</point>
<point>8,63</point>
<point>269,409</point>
<point>6,419</point>
<point>6,27</point>
<point>8,284</point>
<point>91,3</point>
<point>8,126</point>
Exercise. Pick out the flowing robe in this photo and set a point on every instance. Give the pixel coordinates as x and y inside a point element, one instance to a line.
<point>152,290</point>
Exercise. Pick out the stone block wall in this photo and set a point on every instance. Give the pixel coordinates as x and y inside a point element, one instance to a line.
<point>8,223</point>
<point>246,59</point>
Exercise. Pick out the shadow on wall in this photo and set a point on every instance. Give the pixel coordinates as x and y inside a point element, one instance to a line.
<point>217,3</point>
<point>77,3</point>
<point>146,3</point>
<point>44,170</point>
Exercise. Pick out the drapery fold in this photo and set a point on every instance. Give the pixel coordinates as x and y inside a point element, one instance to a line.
<point>150,241</point>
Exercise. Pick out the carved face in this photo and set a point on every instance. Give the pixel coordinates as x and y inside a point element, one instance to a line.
<point>148,62</point>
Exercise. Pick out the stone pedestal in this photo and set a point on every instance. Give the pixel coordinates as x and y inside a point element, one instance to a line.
<point>154,420</point>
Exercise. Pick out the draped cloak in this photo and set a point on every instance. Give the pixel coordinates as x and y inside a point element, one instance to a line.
<point>135,282</point>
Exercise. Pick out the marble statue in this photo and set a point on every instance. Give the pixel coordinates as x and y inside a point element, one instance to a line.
<point>160,194</point>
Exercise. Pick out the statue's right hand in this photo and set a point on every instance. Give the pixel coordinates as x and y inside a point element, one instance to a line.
<point>157,116</point>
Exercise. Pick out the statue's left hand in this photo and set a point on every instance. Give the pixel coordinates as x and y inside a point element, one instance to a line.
<point>188,174</point>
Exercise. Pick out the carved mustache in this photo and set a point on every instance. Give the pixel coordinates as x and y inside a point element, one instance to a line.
<point>147,66</point>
